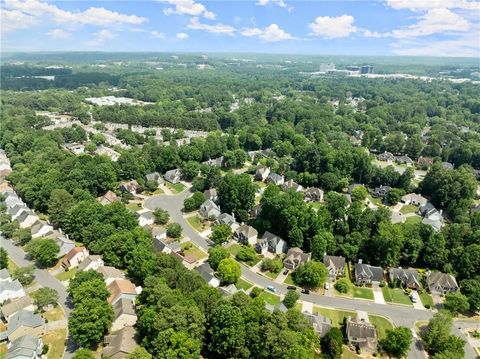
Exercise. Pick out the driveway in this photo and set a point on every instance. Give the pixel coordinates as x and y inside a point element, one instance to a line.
<point>418,302</point>
<point>378,294</point>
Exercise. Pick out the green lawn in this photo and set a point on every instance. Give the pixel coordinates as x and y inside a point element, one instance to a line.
<point>157,191</point>
<point>66,275</point>
<point>175,188</point>
<point>270,298</point>
<point>234,249</point>
<point>413,219</point>
<point>362,292</point>
<point>375,201</point>
<point>426,299</point>
<point>194,251</point>
<point>348,354</point>
<point>243,284</point>
<point>409,208</point>
<point>254,262</point>
<point>381,323</point>
<point>270,274</point>
<point>11,266</point>
<point>56,343</point>
<point>289,279</point>
<point>336,316</point>
<point>395,295</point>
<point>197,223</point>
<point>134,206</point>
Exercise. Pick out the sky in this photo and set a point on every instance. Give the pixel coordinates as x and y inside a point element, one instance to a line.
<point>383,27</point>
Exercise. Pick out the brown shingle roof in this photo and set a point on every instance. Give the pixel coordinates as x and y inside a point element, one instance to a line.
<point>119,287</point>
<point>73,252</point>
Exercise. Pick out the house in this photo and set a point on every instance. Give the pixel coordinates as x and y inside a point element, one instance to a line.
<point>280,307</point>
<point>414,199</point>
<point>91,262</point>
<point>228,290</point>
<point>110,274</point>
<point>447,165</point>
<point>429,211</point>
<point>386,156</point>
<point>214,162</point>
<point>160,245</point>
<point>207,273</point>
<point>246,234</point>
<point>16,210</point>
<point>124,314</point>
<point>397,217</point>
<point>321,324</point>
<point>407,278</point>
<point>131,186</point>
<point>262,172</point>
<point>13,306</point>
<point>145,217</point>
<point>367,274</point>
<point>11,290</point>
<point>225,218</point>
<point>25,347</point>
<point>73,258</point>
<point>362,334</point>
<point>158,232</point>
<point>275,178</point>
<point>404,160</point>
<point>122,289</point>
<point>381,191</point>
<point>22,323</point>
<point>272,244</point>
<point>40,229</point>
<point>26,219</point>
<point>295,258</point>
<point>292,185</point>
<point>424,161</point>
<point>154,177</point>
<point>119,344</point>
<point>335,265</point>
<point>209,209</point>
<point>107,151</point>
<point>313,194</point>
<point>75,148</point>
<point>434,223</point>
<point>441,283</point>
<point>65,245</point>
<point>172,176</point>
<point>12,199</point>
<point>108,198</point>
<point>211,194</point>
<point>5,275</point>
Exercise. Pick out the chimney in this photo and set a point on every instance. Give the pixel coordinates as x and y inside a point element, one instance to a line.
<point>360,261</point>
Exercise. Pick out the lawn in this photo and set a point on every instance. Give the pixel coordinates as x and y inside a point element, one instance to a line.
<point>54,314</point>
<point>336,316</point>
<point>395,295</point>
<point>197,223</point>
<point>270,275</point>
<point>157,191</point>
<point>413,219</point>
<point>11,266</point>
<point>194,251</point>
<point>270,298</point>
<point>234,249</point>
<point>243,284</point>
<point>289,279</point>
<point>3,350</point>
<point>362,292</point>
<point>56,343</point>
<point>254,262</point>
<point>175,188</point>
<point>375,201</point>
<point>426,299</point>
<point>134,206</point>
<point>348,354</point>
<point>381,323</point>
<point>66,275</point>
<point>409,208</point>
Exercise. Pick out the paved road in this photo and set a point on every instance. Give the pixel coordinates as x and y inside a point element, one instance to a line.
<point>401,316</point>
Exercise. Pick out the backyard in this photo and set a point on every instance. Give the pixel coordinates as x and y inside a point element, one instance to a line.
<point>175,188</point>
<point>336,316</point>
<point>409,208</point>
<point>395,295</point>
<point>67,275</point>
<point>234,249</point>
<point>270,298</point>
<point>362,292</point>
<point>54,314</point>
<point>413,219</point>
<point>134,206</point>
<point>56,343</point>
<point>381,323</point>
<point>193,251</point>
<point>197,223</point>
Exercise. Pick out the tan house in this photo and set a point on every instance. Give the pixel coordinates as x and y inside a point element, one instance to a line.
<point>362,334</point>
<point>119,344</point>
<point>110,274</point>
<point>121,289</point>
<point>124,314</point>
<point>23,323</point>
<point>73,258</point>
<point>14,306</point>
<point>295,258</point>
<point>91,262</point>
<point>108,198</point>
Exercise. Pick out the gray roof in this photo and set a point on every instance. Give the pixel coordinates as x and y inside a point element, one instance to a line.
<point>373,273</point>
<point>337,262</point>
<point>65,245</point>
<point>320,323</point>
<point>205,271</point>
<point>24,318</point>
<point>13,286</point>
<point>110,272</point>
<point>210,193</point>
<point>407,276</point>
<point>441,280</point>
<point>209,207</point>
<point>26,346</point>
<point>16,305</point>
<point>87,261</point>
<point>225,218</point>
<point>122,341</point>
<point>434,223</point>
<point>274,177</point>
<point>360,329</point>
<point>154,176</point>
<point>4,274</point>
<point>123,306</point>
<point>24,215</point>
<point>246,230</point>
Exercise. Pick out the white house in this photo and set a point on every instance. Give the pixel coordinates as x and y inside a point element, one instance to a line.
<point>91,262</point>
<point>73,258</point>
<point>11,290</point>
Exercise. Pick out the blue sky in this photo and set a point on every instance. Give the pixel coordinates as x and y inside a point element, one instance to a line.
<point>383,27</point>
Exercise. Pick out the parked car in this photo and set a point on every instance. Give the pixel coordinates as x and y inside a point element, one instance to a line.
<point>271,288</point>
<point>306,291</point>
<point>291,287</point>
<point>285,272</point>
<point>327,286</point>
<point>413,299</point>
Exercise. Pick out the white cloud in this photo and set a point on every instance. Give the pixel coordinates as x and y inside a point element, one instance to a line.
<point>158,34</point>
<point>333,27</point>
<point>182,36</point>
<point>187,7</point>
<point>217,28</point>
<point>434,21</point>
<point>280,3</point>
<point>272,33</point>
<point>423,5</point>
<point>59,34</point>
<point>375,34</point>
<point>14,19</point>
<point>101,36</point>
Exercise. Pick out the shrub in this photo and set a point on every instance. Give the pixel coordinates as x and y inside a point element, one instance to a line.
<point>342,286</point>
<point>174,230</point>
<point>272,265</point>
<point>246,254</point>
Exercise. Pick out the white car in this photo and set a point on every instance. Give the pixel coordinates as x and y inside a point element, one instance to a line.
<point>327,286</point>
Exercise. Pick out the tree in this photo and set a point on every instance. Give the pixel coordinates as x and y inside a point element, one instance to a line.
<point>172,343</point>
<point>3,258</point>
<point>189,170</point>
<point>397,342</point>
<point>194,202</point>
<point>161,216</point>
<point>271,265</point>
<point>227,331</point>
<point>246,254</point>
<point>216,255</point>
<point>45,297</point>
<point>22,236</point>
<point>359,194</point>
<point>83,354</point>
<point>456,303</point>
<point>174,230</point>
<point>291,299</point>
<point>24,275</point>
<point>437,338</point>
<point>151,185</point>
<point>221,233</point>
<point>44,251</point>
<point>229,270</point>
<point>83,277</point>
<point>236,195</point>
<point>471,289</point>
<point>394,195</point>
<point>331,344</point>
<point>59,205</point>
<point>342,285</point>
<point>139,353</point>
<point>311,274</point>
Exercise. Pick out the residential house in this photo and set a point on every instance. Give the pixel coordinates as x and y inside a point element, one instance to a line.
<point>11,290</point>
<point>107,151</point>
<point>155,177</point>
<point>211,194</point>
<point>110,274</point>
<point>123,314</point>
<point>280,307</point>
<point>40,229</point>
<point>295,258</point>
<point>447,165</point>
<point>367,274</point>
<point>381,191</point>
<point>13,306</point>
<point>228,290</point>
<point>25,347</point>
<point>397,217</point>
<point>73,258</point>
<point>214,162</point>
<point>246,234</point>
<point>209,209</point>
<point>119,344</point>
<point>145,217</point>
<point>407,278</point>
<point>122,289</point>
<point>404,160</point>
<point>275,179</point>
<point>441,283</point>
<point>22,323</point>
<point>424,161</point>
<point>5,170</point>
<point>172,176</point>
<point>65,245</point>
<point>335,266</point>
<point>321,324</point>
<point>355,141</point>
<point>75,148</point>
<point>12,199</point>
<point>434,223</point>
<point>271,243</point>
<point>16,210</point>
<point>108,197</point>
<point>292,185</point>
<point>207,273</point>
<point>26,219</point>
<point>228,219</point>
<point>158,232</point>
<point>313,194</point>
<point>262,172</point>
<point>414,199</point>
<point>91,262</point>
<point>386,156</point>
<point>131,186</point>
<point>429,211</point>
<point>362,334</point>
<point>4,276</point>
<point>160,245</point>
